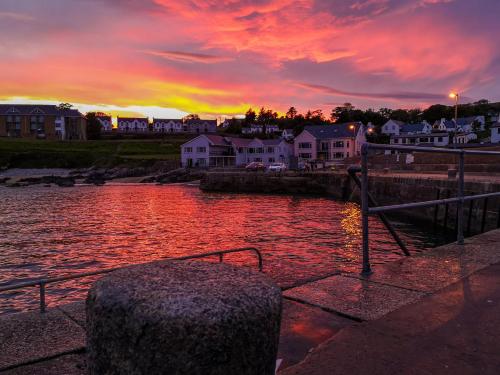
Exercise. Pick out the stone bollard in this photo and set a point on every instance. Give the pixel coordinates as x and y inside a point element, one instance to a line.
<point>183,317</point>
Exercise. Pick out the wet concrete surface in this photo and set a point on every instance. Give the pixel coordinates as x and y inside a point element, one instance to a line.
<point>303,328</point>
<point>454,331</point>
<point>359,299</point>
<point>29,337</point>
<point>445,318</point>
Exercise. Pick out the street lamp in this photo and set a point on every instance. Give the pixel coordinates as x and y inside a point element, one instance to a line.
<point>353,128</point>
<point>454,95</point>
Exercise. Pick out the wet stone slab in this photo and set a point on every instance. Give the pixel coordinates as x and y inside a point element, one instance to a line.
<point>353,297</point>
<point>437,268</point>
<point>28,337</point>
<point>303,328</point>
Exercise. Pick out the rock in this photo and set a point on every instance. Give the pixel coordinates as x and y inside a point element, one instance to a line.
<point>148,180</point>
<point>182,317</point>
<point>96,178</point>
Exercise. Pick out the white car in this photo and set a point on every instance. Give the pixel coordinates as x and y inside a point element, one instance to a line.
<point>277,167</point>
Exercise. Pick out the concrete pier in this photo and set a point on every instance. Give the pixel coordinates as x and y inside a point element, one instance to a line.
<point>436,312</point>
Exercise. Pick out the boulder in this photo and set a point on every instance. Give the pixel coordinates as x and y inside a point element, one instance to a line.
<point>183,317</point>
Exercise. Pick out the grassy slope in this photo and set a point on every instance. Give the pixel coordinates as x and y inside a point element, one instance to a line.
<point>23,153</point>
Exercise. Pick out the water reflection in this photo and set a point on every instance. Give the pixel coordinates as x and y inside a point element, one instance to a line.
<point>55,231</point>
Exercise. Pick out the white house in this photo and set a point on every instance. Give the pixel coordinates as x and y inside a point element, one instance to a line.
<point>392,127</point>
<point>167,125</point>
<point>106,123</point>
<point>287,134</point>
<point>133,125</point>
<point>434,139</point>
<point>266,151</point>
<point>330,142</point>
<point>208,150</point>
<point>258,129</point>
<point>200,126</point>
<point>467,123</point>
<point>462,138</point>
<point>495,133</point>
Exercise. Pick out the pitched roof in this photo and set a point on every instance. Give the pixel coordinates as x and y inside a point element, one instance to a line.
<point>450,124</point>
<point>334,130</point>
<point>400,123</point>
<point>45,109</point>
<point>412,128</point>
<point>240,142</point>
<point>466,120</point>
<point>167,119</point>
<point>132,119</point>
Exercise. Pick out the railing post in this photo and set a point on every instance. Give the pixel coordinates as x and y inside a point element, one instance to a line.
<point>42,297</point>
<point>460,204</point>
<point>364,209</point>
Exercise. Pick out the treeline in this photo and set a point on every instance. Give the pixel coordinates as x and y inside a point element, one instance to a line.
<point>292,119</point>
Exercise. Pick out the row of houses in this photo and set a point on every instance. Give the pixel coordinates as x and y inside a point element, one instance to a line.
<point>441,133</point>
<point>330,143</point>
<point>169,126</point>
<point>41,121</point>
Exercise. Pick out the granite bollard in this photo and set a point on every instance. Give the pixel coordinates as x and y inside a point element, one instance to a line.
<point>183,317</point>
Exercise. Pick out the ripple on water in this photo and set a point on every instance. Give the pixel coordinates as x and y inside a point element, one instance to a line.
<point>55,231</point>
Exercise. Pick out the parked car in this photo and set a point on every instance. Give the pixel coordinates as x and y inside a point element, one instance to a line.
<point>277,167</point>
<point>255,166</point>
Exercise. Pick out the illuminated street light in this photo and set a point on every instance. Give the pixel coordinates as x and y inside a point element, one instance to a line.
<point>454,95</point>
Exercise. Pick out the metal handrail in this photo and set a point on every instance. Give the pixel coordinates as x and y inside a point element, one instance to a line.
<point>43,282</point>
<point>459,200</point>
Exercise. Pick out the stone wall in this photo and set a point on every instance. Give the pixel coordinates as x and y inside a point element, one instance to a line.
<point>386,189</point>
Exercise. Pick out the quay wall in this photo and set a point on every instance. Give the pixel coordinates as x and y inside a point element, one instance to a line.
<point>386,189</point>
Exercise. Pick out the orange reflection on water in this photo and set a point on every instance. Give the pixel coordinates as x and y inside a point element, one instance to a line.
<point>54,231</point>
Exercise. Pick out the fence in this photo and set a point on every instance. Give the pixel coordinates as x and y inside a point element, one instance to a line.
<point>41,283</point>
<point>459,200</point>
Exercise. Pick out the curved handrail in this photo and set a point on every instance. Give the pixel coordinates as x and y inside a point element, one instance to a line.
<point>43,282</point>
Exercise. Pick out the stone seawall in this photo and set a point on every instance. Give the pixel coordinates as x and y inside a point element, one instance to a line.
<point>387,189</point>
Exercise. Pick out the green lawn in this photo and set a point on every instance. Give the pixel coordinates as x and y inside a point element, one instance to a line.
<point>24,153</point>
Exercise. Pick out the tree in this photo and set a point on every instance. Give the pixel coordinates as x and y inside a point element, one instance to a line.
<point>266,116</point>
<point>291,113</point>
<point>250,116</point>
<point>437,112</point>
<point>63,106</point>
<point>192,116</point>
<point>93,126</point>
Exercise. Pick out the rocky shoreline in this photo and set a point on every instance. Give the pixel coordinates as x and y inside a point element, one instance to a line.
<point>159,173</point>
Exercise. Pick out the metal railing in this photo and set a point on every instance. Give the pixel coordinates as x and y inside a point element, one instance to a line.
<point>459,200</point>
<point>41,283</point>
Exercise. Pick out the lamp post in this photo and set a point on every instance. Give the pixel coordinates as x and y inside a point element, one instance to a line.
<point>454,95</point>
<point>353,128</point>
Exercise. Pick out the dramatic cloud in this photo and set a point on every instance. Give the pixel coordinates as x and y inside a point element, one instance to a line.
<point>221,56</point>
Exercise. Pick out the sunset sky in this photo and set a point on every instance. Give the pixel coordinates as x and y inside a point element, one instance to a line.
<point>167,58</point>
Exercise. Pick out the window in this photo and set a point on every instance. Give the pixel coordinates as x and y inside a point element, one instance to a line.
<point>412,140</point>
<point>271,160</point>
<point>305,145</point>
<point>240,150</point>
<point>270,150</point>
<point>13,126</point>
<point>201,150</point>
<point>338,155</point>
<point>347,143</point>
<point>339,144</point>
<point>201,162</point>
<point>260,150</point>
<point>251,150</point>
<point>305,156</point>
<point>36,123</point>
<point>324,146</point>
<point>188,149</point>
<point>258,160</point>
<point>440,139</point>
